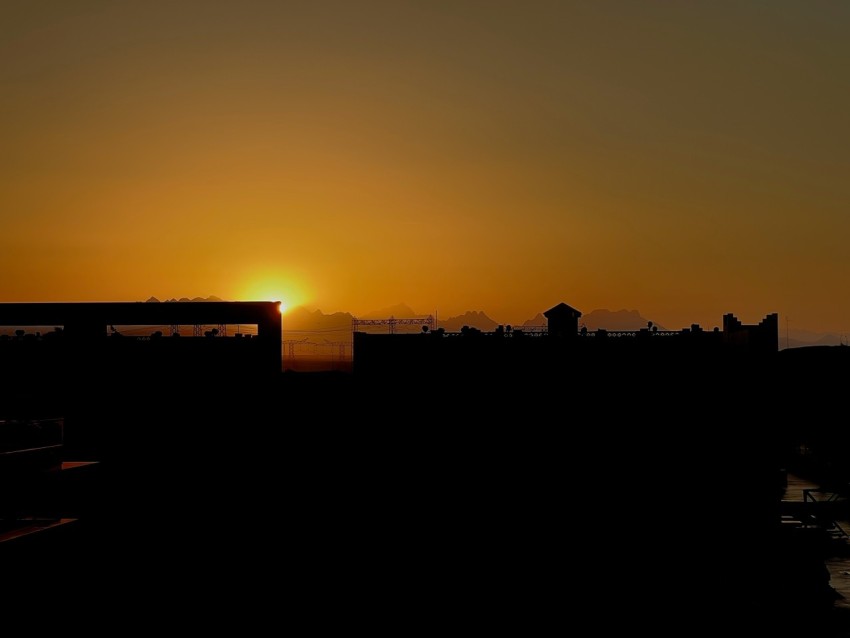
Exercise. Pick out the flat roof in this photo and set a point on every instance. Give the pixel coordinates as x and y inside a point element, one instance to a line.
<point>138,312</point>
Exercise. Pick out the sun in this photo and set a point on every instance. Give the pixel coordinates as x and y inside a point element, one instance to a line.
<point>287,294</point>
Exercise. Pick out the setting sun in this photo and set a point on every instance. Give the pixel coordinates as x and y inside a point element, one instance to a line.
<point>273,289</point>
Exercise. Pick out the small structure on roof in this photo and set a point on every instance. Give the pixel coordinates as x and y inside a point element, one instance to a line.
<point>562,320</point>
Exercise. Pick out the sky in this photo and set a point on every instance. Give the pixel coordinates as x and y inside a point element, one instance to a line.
<point>685,159</point>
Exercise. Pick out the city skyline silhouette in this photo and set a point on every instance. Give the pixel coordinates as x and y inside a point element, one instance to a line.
<point>118,450</point>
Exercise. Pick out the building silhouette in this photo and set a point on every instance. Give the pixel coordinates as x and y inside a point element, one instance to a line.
<point>98,425</point>
<point>560,348</point>
<point>504,466</point>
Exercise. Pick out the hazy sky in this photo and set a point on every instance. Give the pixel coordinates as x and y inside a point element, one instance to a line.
<point>685,159</point>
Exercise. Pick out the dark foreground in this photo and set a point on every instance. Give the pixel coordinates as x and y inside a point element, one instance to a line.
<point>468,504</point>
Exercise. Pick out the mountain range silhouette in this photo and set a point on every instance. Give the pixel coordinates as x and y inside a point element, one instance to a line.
<point>301,318</point>
<point>184,299</point>
<point>306,320</point>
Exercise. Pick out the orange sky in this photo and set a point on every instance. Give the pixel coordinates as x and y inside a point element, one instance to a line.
<point>682,159</point>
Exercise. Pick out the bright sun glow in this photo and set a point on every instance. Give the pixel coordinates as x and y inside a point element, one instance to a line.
<point>272,289</point>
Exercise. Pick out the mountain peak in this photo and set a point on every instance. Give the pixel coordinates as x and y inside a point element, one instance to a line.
<point>471,318</point>
<point>399,310</point>
<point>185,299</point>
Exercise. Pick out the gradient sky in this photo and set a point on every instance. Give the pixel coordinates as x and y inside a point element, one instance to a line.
<point>685,159</point>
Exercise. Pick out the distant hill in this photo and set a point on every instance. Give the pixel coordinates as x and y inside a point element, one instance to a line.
<point>813,339</point>
<point>603,318</point>
<point>301,319</point>
<point>615,320</point>
<point>799,338</point>
<point>399,311</point>
<point>473,319</point>
<point>302,323</point>
<point>537,320</point>
<point>184,299</point>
